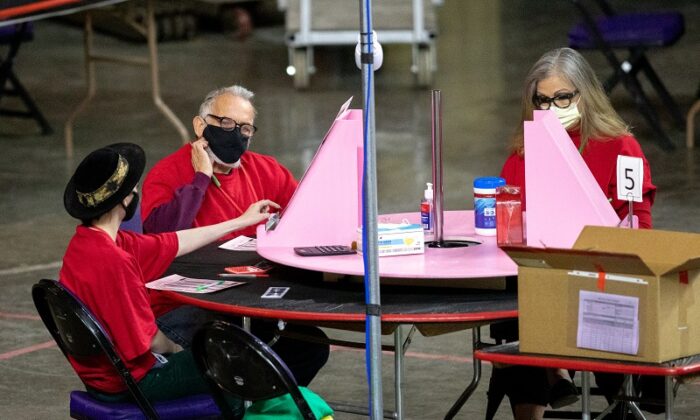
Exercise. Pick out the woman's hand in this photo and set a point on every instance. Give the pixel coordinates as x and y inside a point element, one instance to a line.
<point>257,212</point>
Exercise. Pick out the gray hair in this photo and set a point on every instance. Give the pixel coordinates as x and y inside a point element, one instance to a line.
<point>598,117</point>
<point>235,90</point>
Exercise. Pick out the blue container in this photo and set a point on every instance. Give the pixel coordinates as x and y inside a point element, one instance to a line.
<point>485,204</point>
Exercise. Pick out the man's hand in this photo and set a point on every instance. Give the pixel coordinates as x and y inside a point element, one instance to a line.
<point>200,158</point>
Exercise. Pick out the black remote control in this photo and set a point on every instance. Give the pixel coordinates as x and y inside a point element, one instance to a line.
<point>319,251</point>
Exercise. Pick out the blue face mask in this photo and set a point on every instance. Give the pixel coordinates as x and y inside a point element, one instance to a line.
<point>227,146</point>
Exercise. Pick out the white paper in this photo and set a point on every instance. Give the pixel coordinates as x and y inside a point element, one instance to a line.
<point>630,176</point>
<point>240,243</point>
<point>177,283</point>
<point>344,108</point>
<point>608,322</point>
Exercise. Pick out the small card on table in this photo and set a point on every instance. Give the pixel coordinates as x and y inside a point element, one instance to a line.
<point>275,292</point>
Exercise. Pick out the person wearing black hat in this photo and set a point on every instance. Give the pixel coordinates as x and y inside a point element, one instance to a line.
<point>108,269</point>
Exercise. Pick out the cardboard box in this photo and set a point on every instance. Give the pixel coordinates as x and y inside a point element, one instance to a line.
<point>660,268</point>
<point>397,239</point>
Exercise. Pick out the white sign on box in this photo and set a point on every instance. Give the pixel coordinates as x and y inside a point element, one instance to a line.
<point>608,322</point>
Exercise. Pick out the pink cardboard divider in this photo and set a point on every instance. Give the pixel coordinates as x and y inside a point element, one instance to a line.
<point>561,193</point>
<point>326,207</point>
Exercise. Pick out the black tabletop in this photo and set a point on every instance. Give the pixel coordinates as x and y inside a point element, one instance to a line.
<point>311,298</point>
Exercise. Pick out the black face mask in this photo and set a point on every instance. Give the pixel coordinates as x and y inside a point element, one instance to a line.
<point>131,208</point>
<point>228,146</point>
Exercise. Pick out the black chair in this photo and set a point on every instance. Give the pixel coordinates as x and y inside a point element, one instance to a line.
<point>10,85</point>
<point>635,32</point>
<point>79,335</point>
<point>238,363</point>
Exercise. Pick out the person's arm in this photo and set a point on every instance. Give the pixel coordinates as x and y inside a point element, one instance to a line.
<point>191,239</point>
<point>180,211</point>
<point>163,345</point>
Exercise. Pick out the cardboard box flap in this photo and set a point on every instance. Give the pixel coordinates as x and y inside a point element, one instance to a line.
<point>662,251</point>
<point>581,260</point>
<point>692,264</point>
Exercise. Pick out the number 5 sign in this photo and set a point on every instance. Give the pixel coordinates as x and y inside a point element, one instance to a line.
<point>630,173</point>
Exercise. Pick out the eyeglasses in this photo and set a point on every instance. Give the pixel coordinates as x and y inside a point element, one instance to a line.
<point>562,101</point>
<point>229,125</point>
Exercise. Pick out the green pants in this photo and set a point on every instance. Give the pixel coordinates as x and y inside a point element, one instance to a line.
<point>176,379</point>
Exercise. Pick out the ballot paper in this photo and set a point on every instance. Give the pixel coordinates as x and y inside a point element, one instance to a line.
<point>240,243</point>
<point>179,283</point>
<point>608,322</point>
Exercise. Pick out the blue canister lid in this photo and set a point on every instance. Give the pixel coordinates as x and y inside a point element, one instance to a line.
<point>489,182</point>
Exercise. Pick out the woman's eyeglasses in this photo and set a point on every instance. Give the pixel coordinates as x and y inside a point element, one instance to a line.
<point>562,101</point>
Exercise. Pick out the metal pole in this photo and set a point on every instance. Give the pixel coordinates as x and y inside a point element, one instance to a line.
<point>669,397</point>
<point>398,371</point>
<point>436,125</point>
<point>369,213</point>
<point>585,395</point>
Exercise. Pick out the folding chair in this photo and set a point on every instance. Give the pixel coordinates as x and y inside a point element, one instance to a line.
<point>10,85</point>
<point>238,363</point>
<point>79,335</point>
<point>636,32</point>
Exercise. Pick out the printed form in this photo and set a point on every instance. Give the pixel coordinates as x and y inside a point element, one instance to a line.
<point>608,322</point>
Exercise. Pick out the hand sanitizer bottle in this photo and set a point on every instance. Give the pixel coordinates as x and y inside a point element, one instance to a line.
<point>426,209</point>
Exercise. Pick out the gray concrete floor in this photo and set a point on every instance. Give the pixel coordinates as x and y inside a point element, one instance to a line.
<point>484,50</point>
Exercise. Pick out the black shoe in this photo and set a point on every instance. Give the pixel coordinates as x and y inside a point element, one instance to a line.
<point>563,393</point>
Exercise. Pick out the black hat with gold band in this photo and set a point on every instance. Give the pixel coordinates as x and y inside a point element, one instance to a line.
<point>103,179</point>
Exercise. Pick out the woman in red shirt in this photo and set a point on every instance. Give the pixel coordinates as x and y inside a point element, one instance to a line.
<point>562,81</point>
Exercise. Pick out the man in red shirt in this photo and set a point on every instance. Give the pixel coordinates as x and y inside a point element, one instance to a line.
<point>216,178</point>
<point>107,269</point>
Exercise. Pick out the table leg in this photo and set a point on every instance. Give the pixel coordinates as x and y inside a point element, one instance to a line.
<point>155,80</point>
<point>246,323</point>
<point>398,371</point>
<point>631,392</point>
<point>669,398</point>
<point>476,339</point>
<point>90,76</point>
<point>585,395</point>
<point>90,58</point>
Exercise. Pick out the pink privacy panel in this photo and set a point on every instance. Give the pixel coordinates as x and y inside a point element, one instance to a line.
<point>561,193</point>
<point>325,208</point>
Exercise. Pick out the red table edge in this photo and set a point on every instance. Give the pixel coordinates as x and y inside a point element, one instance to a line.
<point>611,366</point>
<point>33,7</point>
<point>338,317</point>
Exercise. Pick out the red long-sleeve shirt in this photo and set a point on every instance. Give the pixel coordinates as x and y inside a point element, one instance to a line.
<point>601,158</point>
<point>175,198</point>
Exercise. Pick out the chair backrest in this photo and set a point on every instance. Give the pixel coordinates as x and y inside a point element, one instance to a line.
<point>240,364</point>
<point>623,30</point>
<point>78,333</point>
